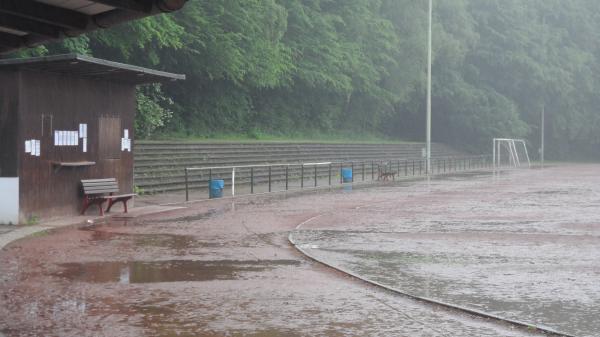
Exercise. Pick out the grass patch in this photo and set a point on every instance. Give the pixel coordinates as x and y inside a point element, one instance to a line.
<point>259,137</point>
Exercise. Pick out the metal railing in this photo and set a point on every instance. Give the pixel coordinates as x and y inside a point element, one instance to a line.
<point>284,174</point>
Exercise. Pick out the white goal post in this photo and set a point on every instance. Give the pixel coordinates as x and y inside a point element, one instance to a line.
<point>508,152</point>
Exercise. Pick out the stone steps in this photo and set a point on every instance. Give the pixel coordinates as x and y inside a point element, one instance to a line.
<point>160,166</point>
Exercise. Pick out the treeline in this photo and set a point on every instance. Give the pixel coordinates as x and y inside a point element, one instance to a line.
<point>290,66</point>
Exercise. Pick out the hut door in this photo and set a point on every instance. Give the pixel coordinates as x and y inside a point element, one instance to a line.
<point>109,142</point>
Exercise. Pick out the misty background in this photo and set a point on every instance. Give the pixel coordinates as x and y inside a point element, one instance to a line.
<point>357,68</point>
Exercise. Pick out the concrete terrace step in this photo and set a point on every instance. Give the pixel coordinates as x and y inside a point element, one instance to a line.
<point>347,151</point>
<point>242,160</point>
<point>265,155</point>
<point>159,166</point>
<point>278,152</point>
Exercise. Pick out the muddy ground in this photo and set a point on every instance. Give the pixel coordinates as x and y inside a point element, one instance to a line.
<point>226,268</point>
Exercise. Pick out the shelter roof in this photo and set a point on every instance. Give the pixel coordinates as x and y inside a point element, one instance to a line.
<point>90,67</point>
<point>26,23</point>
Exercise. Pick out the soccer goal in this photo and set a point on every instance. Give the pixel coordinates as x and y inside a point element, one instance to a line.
<point>509,152</point>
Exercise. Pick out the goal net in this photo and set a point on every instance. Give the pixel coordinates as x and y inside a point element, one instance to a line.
<point>509,152</point>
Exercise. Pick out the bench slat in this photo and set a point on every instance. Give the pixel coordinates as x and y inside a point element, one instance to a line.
<point>101,191</point>
<point>99,182</point>
<point>119,196</point>
<point>84,181</point>
<point>108,185</point>
<point>101,185</point>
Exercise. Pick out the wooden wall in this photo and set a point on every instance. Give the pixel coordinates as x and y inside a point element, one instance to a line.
<point>9,84</point>
<point>45,190</point>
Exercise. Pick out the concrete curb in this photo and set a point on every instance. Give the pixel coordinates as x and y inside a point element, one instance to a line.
<point>21,232</point>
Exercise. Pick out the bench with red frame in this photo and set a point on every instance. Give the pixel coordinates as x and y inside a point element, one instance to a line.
<point>99,191</point>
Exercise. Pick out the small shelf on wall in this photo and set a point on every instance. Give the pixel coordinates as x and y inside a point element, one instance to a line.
<point>60,164</point>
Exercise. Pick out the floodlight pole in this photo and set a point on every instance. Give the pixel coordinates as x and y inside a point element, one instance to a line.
<point>543,131</point>
<point>429,38</point>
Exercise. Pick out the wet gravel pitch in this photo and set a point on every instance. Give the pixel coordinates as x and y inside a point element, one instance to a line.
<point>525,246</point>
<point>227,269</point>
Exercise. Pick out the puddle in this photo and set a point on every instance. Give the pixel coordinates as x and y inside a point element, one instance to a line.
<point>170,241</point>
<point>190,218</point>
<point>466,175</point>
<point>165,271</point>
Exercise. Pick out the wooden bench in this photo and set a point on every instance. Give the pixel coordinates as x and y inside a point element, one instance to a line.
<point>99,191</point>
<point>384,172</point>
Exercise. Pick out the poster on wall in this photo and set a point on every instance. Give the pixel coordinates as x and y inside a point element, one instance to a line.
<point>37,147</point>
<point>125,141</point>
<point>82,130</point>
<point>83,136</point>
<point>32,146</point>
<point>70,138</point>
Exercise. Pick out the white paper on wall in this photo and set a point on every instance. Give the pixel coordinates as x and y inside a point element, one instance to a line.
<point>27,146</point>
<point>82,130</point>
<point>55,138</point>
<point>37,148</point>
<point>125,141</point>
<point>84,142</point>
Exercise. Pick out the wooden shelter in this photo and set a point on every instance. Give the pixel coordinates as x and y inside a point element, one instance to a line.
<point>64,118</point>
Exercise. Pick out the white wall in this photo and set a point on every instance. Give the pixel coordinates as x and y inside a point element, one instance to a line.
<point>9,201</point>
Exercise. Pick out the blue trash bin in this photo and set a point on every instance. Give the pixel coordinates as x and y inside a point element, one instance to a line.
<point>347,175</point>
<point>215,187</point>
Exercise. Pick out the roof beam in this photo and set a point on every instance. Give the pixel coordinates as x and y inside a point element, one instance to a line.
<point>29,26</point>
<point>130,5</point>
<point>45,13</point>
<point>11,41</point>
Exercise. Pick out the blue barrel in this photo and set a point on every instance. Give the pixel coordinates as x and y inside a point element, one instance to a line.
<point>347,175</point>
<point>215,187</point>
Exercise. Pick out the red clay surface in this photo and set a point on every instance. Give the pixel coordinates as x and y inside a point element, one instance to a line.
<point>225,268</point>
<point>524,246</point>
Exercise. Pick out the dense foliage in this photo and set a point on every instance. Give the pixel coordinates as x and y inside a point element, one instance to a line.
<point>288,66</point>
